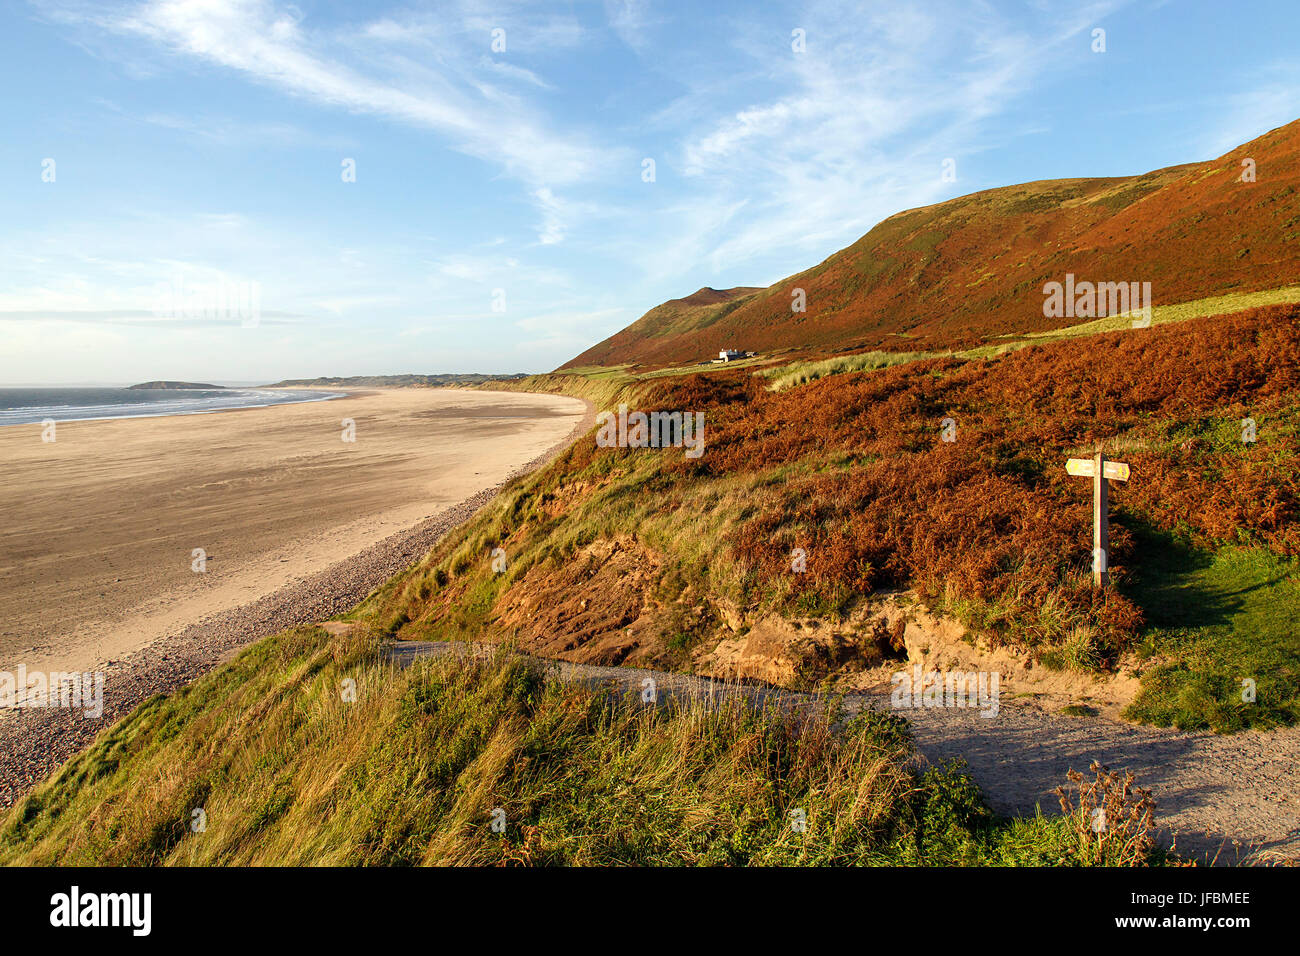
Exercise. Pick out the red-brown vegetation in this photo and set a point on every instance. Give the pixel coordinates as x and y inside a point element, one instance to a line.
<point>993,516</point>
<point>954,274</point>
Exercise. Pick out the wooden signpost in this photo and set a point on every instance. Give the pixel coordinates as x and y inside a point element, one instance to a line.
<point>1100,471</point>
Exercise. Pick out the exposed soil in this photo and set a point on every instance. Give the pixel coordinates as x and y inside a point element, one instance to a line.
<point>590,609</point>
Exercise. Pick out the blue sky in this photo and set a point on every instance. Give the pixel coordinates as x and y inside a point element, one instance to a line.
<point>501,218</point>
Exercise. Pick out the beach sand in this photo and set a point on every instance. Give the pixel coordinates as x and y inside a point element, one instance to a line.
<point>99,527</point>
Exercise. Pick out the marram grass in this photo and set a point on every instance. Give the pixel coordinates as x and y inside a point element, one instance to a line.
<point>417,768</point>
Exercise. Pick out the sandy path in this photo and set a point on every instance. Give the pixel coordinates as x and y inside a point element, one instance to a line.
<point>1237,796</point>
<point>99,529</point>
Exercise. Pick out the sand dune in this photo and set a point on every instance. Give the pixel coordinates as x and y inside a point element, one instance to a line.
<point>100,527</point>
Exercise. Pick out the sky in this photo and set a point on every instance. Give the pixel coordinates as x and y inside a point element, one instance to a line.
<point>250,190</point>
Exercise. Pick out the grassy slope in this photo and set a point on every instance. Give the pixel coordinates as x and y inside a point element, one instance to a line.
<point>802,372</point>
<point>849,467</point>
<point>964,272</point>
<point>288,773</point>
<point>783,374</point>
<point>1216,618</point>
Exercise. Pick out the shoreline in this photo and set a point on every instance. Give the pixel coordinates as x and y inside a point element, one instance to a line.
<point>199,411</point>
<point>36,741</point>
<point>107,527</point>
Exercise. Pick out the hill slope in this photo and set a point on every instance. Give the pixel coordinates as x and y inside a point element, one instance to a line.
<point>649,558</point>
<point>672,321</point>
<point>958,273</point>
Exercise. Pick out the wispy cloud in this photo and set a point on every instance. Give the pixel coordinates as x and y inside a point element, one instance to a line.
<point>1271,99</point>
<point>207,135</point>
<point>631,21</point>
<point>271,44</point>
<point>861,120</point>
<point>553,228</point>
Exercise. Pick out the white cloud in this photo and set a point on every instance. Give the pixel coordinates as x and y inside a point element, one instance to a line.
<point>269,44</point>
<point>630,20</point>
<point>857,126</point>
<point>510,71</point>
<point>553,223</point>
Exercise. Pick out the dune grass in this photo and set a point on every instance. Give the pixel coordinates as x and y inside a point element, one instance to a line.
<point>1177,312</point>
<point>801,373</point>
<point>1216,619</point>
<point>418,768</point>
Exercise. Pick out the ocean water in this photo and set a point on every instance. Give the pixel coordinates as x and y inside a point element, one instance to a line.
<point>25,406</point>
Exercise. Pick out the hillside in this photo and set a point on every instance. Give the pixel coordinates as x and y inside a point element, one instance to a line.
<point>966,271</point>
<point>650,558</point>
<point>674,320</point>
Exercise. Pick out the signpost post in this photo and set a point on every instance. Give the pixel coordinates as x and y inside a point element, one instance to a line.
<point>1100,470</point>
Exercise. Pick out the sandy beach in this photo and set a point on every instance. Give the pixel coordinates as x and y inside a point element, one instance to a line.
<point>97,546</point>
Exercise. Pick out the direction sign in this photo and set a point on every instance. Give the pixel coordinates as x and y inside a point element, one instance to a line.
<point>1115,470</point>
<point>1101,472</point>
<point>1087,468</point>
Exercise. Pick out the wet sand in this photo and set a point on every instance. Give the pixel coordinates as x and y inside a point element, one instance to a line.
<point>100,527</point>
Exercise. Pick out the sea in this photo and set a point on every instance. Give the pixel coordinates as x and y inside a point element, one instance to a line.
<point>24,405</point>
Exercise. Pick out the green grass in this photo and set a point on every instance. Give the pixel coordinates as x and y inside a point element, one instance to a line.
<point>1179,312</point>
<point>599,371</point>
<point>413,771</point>
<point>801,373</point>
<point>1214,620</point>
<point>603,386</point>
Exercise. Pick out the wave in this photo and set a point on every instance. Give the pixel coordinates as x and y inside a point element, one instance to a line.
<point>29,406</point>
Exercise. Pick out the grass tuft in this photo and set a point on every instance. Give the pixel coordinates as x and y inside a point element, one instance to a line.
<point>417,769</point>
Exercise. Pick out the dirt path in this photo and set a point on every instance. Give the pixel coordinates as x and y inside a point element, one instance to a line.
<point>1236,796</point>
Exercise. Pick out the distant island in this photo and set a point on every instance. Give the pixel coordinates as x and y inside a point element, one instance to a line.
<point>175,385</point>
<point>431,381</point>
